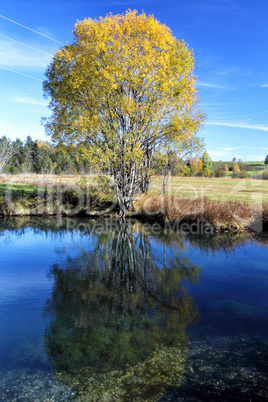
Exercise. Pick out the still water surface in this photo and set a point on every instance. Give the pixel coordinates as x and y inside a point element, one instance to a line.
<point>103,311</point>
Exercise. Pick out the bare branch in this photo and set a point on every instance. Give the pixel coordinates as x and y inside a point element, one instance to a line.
<point>7,150</point>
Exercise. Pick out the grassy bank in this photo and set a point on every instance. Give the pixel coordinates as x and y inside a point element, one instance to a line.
<point>226,204</point>
<point>53,199</point>
<point>212,216</point>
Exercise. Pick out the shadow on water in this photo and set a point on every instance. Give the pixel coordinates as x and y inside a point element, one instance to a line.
<point>118,319</point>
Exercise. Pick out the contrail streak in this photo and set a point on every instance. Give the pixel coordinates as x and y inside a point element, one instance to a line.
<point>30,29</point>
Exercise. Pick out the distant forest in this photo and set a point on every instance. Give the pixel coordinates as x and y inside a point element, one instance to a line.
<point>38,156</point>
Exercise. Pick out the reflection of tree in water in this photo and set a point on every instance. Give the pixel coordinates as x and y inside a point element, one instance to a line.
<point>118,320</point>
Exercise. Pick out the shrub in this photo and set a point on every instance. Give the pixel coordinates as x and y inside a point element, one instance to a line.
<point>12,169</point>
<point>243,175</point>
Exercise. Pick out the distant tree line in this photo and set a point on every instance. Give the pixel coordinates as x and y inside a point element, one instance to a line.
<point>38,156</point>
<point>199,166</point>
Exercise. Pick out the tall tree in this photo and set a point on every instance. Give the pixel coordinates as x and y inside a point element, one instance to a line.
<point>126,85</point>
<point>226,169</point>
<point>236,169</point>
<point>194,165</point>
<point>207,163</point>
<point>42,156</point>
<point>29,149</point>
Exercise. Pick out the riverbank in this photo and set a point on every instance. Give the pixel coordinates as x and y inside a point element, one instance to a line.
<point>195,215</point>
<point>211,216</point>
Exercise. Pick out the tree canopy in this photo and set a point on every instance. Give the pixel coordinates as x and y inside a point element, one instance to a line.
<point>126,87</point>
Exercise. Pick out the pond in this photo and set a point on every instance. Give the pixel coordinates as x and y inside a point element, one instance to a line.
<point>97,310</point>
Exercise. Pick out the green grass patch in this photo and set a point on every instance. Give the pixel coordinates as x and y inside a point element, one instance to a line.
<point>18,190</point>
<point>53,197</point>
<point>215,189</point>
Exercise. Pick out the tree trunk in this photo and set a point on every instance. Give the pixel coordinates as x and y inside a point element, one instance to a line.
<point>126,183</point>
<point>165,180</point>
<point>145,175</point>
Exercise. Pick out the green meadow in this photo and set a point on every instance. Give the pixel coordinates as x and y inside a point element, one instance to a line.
<point>216,189</point>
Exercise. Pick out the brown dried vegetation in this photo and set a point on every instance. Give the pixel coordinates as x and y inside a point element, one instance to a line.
<point>218,213</point>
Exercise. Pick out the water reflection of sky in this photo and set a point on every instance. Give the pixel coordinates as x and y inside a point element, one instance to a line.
<point>25,260</point>
<point>232,294</point>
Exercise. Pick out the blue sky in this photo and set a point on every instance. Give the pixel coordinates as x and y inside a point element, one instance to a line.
<point>229,39</point>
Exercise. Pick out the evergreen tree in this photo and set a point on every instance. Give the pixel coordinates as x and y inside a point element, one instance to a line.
<point>207,163</point>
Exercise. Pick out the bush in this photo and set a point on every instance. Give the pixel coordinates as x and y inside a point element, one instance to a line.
<point>243,175</point>
<point>219,173</point>
<point>13,170</point>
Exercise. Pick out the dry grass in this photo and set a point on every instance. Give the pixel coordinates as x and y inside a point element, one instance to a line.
<point>215,189</point>
<point>185,209</point>
<point>232,215</point>
<point>47,179</point>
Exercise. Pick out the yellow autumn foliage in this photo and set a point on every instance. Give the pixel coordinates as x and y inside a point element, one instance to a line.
<point>126,87</point>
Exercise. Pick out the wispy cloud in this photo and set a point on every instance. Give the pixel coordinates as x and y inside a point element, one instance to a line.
<point>264,85</point>
<point>213,153</point>
<point>255,157</point>
<point>15,55</point>
<point>18,72</point>
<point>239,125</point>
<point>263,148</point>
<point>30,29</point>
<point>210,85</point>
<point>234,148</point>
<point>31,101</point>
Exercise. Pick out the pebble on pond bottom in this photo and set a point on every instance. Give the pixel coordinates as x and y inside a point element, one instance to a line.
<point>221,369</point>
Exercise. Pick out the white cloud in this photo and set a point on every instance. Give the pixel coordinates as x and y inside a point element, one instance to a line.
<point>256,157</point>
<point>264,85</point>
<point>212,153</point>
<point>30,101</point>
<point>15,55</point>
<point>18,72</point>
<point>263,148</point>
<point>209,85</point>
<point>233,149</point>
<point>239,125</point>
